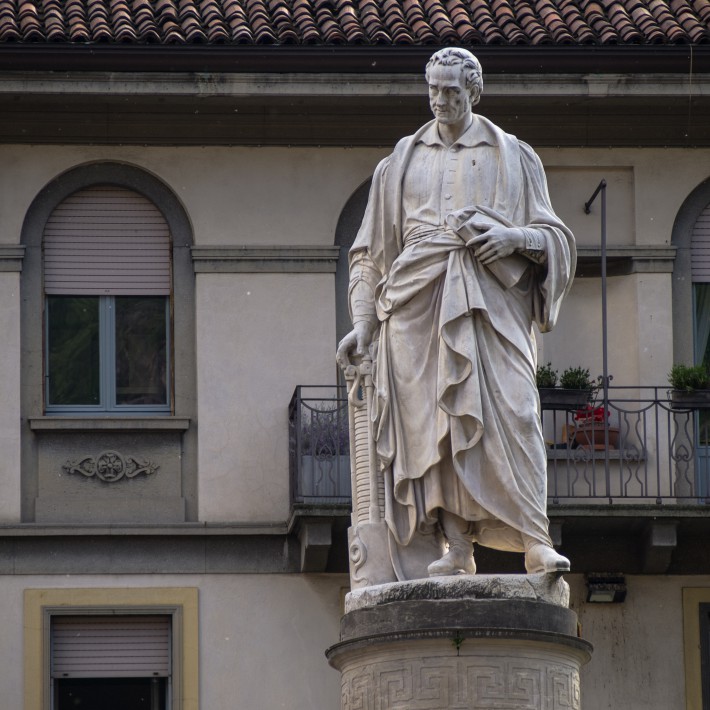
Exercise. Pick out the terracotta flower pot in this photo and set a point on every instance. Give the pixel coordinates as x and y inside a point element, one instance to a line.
<point>590,435</point>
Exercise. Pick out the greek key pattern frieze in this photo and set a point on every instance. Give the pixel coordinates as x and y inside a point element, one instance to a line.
<point>110,466</point>
<point>463,683</point>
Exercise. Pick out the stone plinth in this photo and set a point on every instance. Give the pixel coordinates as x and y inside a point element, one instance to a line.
<point>454,643</point>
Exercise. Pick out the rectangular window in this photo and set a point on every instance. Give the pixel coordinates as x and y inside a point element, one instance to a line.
<point>696,642</point>
<point>110,662</point>
<point>107,354</point>
<point>111,649</point>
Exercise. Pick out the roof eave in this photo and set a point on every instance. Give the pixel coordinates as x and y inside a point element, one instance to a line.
<point>362,59</point>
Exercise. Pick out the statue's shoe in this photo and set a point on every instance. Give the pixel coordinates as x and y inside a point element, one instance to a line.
<point>455,561</point>
<point>543,558</point>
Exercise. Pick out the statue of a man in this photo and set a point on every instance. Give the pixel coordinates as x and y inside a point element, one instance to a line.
<point>458,254</point>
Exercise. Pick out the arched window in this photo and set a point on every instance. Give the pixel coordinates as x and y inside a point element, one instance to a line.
<point>345,233</point>
<point>700,270</point>
<point>107,285</point>
<point>691,273</point>
<point>108,346</point>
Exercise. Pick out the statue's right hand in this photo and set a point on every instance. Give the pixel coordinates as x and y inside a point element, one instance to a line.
<point>357,340</point>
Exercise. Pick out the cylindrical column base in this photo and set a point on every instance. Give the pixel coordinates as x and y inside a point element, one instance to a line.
<point>460,654</point>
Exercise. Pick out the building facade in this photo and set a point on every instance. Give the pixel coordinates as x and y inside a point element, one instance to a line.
<point>180,184</point>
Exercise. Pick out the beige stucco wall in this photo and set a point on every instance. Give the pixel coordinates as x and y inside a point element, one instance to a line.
<point>259,335</point>
<point>294,195</point>
<point>232,195</point>
<point>262,637</point>
<point>638,661</point>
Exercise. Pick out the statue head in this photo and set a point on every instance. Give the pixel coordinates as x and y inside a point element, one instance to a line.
<point>468,65</point>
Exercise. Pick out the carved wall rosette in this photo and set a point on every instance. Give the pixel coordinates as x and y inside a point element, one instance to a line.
<point>110,466</point>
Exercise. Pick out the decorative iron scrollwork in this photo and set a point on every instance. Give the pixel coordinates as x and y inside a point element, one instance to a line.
<point>110,466</point>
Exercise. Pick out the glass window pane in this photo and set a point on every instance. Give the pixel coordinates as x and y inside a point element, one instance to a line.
<point>110,694</point>
<point>73,350</point>
<point>702,323</point>
<point>702,350</point>
<point>141,350</point>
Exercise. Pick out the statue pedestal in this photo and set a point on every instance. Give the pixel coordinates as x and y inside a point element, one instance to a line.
<point>479,642</point>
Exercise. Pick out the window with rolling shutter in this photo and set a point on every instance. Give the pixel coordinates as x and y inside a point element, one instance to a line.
<point>112,662</point>
<point>700,248</point>
<point>110,646</point>
<point>107,283</point>
<point>107,240</point>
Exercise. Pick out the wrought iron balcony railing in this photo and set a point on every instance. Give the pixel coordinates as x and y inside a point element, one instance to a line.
<point>319,446</point>
<point>645,450</point>
<point>636,447</point>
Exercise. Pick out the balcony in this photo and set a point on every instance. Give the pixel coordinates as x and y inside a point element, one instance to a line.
<point>639,484</point>
<point>648,452</point>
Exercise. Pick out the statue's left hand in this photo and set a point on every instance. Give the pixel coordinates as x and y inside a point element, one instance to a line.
<point>496,243</point>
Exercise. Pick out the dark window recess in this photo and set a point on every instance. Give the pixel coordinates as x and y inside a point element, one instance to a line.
<point>107,352</point>
<point>705,653</point>
<point>110,694</point>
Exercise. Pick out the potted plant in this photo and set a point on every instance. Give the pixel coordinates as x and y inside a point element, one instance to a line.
<point>546,377</point>
<point>589,427</point>
<point>690,386</point>
<point>574,391</point>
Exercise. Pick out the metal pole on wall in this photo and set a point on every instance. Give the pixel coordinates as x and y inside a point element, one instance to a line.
<point>601,187</point>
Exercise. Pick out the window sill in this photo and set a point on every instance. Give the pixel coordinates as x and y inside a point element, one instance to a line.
<point>104,423</point>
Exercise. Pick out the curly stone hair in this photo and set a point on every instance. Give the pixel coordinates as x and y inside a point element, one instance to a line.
<point>470,66</point>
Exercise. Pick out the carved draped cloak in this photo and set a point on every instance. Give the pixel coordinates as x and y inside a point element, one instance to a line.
<point>456,416</point>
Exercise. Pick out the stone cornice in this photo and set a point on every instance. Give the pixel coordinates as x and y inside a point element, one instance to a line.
<point>622,260</point>
<point>11,256</point>
<point>205,85</point>
<point>116,423</point>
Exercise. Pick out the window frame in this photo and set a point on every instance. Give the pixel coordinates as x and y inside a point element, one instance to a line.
<point>107,365</point>
<point>180,603</point>
<point>183,395</point>
<point>39,428</point>
<point>696,602</point>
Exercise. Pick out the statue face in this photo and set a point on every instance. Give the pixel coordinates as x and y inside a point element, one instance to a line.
<point>448,98</point>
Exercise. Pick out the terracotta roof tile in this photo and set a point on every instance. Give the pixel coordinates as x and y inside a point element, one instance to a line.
<point>340,22</point>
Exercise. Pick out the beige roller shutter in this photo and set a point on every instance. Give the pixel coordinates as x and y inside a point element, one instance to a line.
<point>700,248</point>
<point>110,646</point>
<point>106,240</point>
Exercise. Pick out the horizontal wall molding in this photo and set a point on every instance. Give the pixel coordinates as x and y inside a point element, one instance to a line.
<point>89,424</point>
<point>624,260</point>
<point>248,258</point>
<point>282,84</point>
<point>11,256</point>
<point>118,554</point>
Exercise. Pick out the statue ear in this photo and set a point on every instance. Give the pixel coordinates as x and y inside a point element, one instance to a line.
<point>475,95</point>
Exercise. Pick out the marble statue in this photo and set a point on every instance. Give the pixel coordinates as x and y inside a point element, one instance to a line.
<point>459,253</point>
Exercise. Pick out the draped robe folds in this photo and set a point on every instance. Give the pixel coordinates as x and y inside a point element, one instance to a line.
<point>456,416</point>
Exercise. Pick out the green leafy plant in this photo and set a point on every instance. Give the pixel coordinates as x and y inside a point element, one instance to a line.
<point>577,378</point>
<point>689,377</point>
<point>545,376</point>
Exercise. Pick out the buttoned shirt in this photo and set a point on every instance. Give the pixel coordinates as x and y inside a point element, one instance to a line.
<point>442,179</point>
